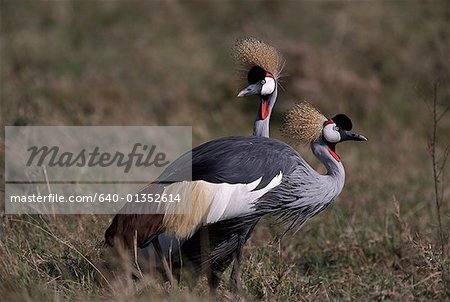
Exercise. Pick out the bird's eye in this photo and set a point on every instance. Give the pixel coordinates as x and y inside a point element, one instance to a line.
<point>336,128</point>
<point>263,82</point>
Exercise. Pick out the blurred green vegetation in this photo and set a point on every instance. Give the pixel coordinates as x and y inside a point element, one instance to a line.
<point>169,63</point>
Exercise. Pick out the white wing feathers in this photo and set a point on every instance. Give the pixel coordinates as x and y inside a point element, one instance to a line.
<point>210,202</point>
<point>231,200</point>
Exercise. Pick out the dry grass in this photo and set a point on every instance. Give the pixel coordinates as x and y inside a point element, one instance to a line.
<point>168,63</point>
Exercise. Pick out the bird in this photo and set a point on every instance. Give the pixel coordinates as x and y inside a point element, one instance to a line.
<point>268,175</point>
<point>264,64</point>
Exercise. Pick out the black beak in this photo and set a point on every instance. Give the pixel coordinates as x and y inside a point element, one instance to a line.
<point>251,89</point>
<point>350,136</point>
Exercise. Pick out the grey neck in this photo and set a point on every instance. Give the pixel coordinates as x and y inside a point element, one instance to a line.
<point>304,192</point>
<point>261,127</point>
<point>335,168</point>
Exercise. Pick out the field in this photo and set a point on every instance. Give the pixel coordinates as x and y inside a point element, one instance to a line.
<point>384,63</point>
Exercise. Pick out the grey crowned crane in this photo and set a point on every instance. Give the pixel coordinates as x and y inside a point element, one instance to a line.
<point>267,176</point>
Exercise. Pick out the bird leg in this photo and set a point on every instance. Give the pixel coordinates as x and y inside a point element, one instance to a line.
<point>161,256</point>
<point>213,281</point>
<point>234,277</point>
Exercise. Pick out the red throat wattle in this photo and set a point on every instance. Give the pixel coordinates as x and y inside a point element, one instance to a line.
<point>264,109</point>
<point>334,154</point>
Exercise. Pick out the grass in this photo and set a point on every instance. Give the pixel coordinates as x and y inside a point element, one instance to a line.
<point>168,63</point>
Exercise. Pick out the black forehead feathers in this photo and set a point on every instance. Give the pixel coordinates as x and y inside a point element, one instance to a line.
<point>256,74</point>
<point>343,122</point>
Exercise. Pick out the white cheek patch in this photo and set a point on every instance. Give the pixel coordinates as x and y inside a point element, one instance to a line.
<point>331,135</point>
<point>268,87</point>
